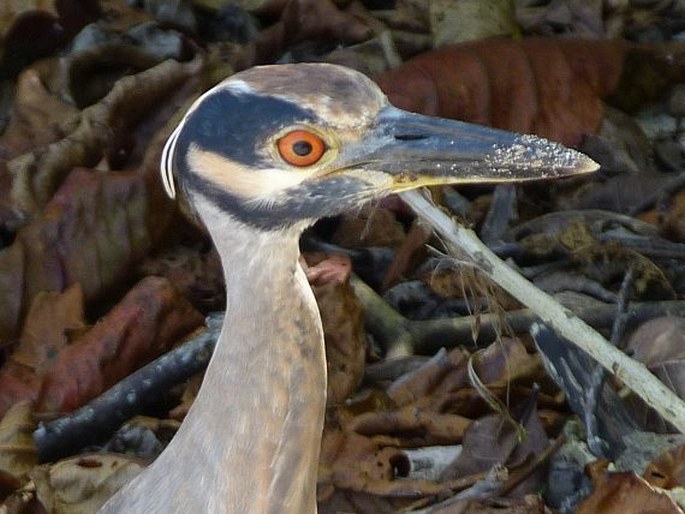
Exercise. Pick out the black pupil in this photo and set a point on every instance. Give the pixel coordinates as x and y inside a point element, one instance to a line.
<point>302,148</point>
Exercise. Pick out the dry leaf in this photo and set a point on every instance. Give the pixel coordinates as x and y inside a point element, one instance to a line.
<point>18,455</point>
<point>38,174</point>
<point>93,231</point>
<point>51,318</point>
<point>667,471</point>
<point>626,493</point>
<point>81,485</point>
<point>343,324</point>
<point>550,87</point>
<point>145,324</point>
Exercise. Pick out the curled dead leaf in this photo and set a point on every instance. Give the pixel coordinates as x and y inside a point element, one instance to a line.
<point>37,175</point>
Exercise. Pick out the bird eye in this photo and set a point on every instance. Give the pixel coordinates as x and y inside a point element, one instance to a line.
<point>301,148</point>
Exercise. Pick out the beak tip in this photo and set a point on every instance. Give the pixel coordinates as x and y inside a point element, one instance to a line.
<point>587,165</point>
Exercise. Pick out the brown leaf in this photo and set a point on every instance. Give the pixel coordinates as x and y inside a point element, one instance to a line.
<point>507,361</point>
<point>18,455</point>
<point>492,440</point>
<point>660,345</point>
<point>316,19</point>
<point>672,221</point>
<point>17,383</point>
<point>444,373</point>
<point>350,461</point>
<point>529,504</point>
<point>81,485</point>
<point>343,324</point>
<point>667,471</point>
<point>325,268</point>
<point>415,243</point>
<point>658,340</point>
<point>300,20</point>
<point>51,317</point>
<point>92,232</point>
<point>550,87</point>
<point>412,426</point>
<point>146,323</point>
<point>38,174</point>
<point>374,227</point>
<point>37,117</point>
<point>11,11</point>
<point>626,493</point>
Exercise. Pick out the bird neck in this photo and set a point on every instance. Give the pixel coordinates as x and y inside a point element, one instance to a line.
<point>268,373</point>
<point>251,440</point>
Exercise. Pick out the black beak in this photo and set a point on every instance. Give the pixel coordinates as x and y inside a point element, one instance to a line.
<point>417,150</point>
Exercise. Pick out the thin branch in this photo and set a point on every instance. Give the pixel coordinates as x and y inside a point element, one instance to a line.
<point>94,422</point>
<point>632,373</point>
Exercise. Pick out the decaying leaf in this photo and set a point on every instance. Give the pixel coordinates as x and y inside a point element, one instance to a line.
<point>148,320</point>
<point>51,319</point>
<point>81,485</point>
<point>37,175</point>
<point>467,20</point>
<point>492,440</point>
<point>52,316</point>
<point>372,227</point>
<point>667,471</point>
<point>350,461</point>
<point>626,493</point>
<point>343,323</point>
<point>18,455</point>
<point>91,233</point>
<point>550,87</point>
<point>37,117</point>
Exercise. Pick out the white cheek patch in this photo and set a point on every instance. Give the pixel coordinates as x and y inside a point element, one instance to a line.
<point>240,181</point>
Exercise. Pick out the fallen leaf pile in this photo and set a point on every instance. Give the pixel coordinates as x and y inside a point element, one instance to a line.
<point>439,400</point>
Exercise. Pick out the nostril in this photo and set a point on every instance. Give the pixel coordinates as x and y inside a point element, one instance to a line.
<point>410,137</point>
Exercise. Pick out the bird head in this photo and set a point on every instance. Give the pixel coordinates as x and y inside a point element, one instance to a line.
<point>281,146</point>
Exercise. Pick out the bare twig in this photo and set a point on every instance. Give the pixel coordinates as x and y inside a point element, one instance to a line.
<point>632,373</point>
<point>400,336</point>
<point>93,422</point>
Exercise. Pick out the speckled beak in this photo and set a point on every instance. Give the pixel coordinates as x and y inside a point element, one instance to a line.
<point>419,150</point>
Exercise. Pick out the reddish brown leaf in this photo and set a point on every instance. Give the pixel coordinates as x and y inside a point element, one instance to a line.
<point>626,493</point>
<point>413,244</point>
<point>17,383</point>
<point>326,268</point>
<point>91,233</point>
<point>343,322</point>
<point>351,461</point>
<point>667,470</point>
<point>549,87</point>
<point>146,323</point>
<point>51,316</point>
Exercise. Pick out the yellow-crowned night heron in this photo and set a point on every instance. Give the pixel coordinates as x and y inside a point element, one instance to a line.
<point>260,157</point>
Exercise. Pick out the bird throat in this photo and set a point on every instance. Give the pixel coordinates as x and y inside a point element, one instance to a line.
<point>251,441</point>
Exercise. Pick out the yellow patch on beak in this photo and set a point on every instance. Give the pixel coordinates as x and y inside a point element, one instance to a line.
<point>240,180</point>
